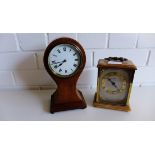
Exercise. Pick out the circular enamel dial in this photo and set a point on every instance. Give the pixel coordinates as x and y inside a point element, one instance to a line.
<point>114,85</point>
<point>64,60</point>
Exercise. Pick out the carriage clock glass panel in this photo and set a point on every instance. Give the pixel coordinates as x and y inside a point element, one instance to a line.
<point>114,85</point>
<point>64,60</point>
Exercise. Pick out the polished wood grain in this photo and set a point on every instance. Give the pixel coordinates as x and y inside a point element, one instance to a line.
<point>66,96</point>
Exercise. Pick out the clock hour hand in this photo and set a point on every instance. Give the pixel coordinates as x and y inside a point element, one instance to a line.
<point>113,83</point>
<point>61,63</point>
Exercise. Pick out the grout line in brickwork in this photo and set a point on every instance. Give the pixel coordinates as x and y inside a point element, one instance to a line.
<point>148,58</point>
<point>92,87</point>
<point>80,86</point>
<point>76,36</point>
<point>46,39</point>
<point>107,40</point>
<point>12,75</point>
<point>136,46</point>
<point>36,60</point>
<point>32,51</point>
<point>28,51</point>
<point>93,61</point>
<point>25,51</point>
<point>118,48</point>
<point>17,42</point>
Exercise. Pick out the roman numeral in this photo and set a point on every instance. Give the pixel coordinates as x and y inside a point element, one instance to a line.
<point>60,70</point>
<point>76,59</point>
<point>53,61</point>
<point>75,65</point>
<point>64,48</point>
<point>74,54</point>
<point>65,71</point>
<point>59,51</point>
<point>54,55</point>
<point>55,66</point>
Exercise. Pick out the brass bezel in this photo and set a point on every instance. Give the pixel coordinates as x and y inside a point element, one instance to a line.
<point>117,74</point>
<point>70,75</point>
<point>125,108</point>
<point>99,85</point>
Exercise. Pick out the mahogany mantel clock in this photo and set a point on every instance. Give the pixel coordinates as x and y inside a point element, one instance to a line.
<point>115,77</point>
<point>64,60</point>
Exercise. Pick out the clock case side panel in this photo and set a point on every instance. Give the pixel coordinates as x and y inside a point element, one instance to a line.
<point>115,105</point>
<point>98,85</point>
<point>66,96</point>
<point>132,73</point>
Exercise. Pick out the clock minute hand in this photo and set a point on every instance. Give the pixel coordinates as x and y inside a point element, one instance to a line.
<point>113,83</point>
<point>61,63</point>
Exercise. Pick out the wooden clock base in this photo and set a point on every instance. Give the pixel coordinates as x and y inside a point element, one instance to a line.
<point>110,106</point>
<point>56,107</point>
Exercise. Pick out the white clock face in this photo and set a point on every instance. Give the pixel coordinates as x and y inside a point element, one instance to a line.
<point>64,60</point>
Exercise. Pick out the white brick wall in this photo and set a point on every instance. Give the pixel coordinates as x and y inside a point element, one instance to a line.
<point>7,42</point>
<point>6,79</point>
<point>53,36</point>
<point>93,40</point>
<point>138,56</point>
<point>31,41</point>
<point>21,55</point>
<point>122,40</point>
<point>146,41</point>
<point>17,61</point>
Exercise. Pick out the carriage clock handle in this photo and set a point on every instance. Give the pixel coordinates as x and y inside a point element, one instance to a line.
<point>118,59</point>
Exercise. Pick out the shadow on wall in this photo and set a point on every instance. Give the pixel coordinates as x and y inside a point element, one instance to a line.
<point>28,76</point>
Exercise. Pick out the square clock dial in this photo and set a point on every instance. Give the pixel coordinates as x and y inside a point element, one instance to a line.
<point>114,82</point>
<point>114,85</point>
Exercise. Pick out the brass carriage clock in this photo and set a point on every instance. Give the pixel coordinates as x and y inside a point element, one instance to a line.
<point>115,77</point>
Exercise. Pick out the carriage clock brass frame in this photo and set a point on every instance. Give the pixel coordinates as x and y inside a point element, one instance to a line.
<point>126,65</point>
